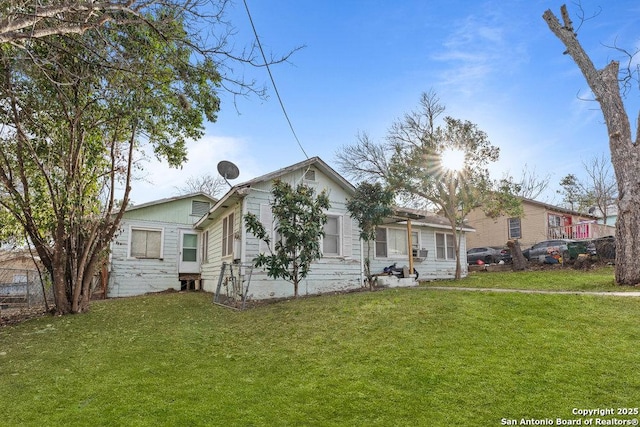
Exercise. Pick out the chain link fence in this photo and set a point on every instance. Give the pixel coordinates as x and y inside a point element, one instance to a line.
<point>22,288</point>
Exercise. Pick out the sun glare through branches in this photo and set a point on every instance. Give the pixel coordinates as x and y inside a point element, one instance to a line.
<point>452,160</point>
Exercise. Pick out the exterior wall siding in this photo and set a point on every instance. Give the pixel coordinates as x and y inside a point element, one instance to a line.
<point>131,276</point>
<point>429,268</point>
<point>176,211</point>
<point>327,274</point>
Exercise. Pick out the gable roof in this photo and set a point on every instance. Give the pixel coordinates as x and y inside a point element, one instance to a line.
<point>171,199</point>
<point>238,191</point>
<point>557,208</point>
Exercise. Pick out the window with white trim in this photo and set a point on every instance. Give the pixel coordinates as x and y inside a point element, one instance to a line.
<point>515,228</point>
<point>444,246</point>
<point>331,240</point>
<point>392,242</point>
<point>227,235</point>
<point>146,243</point>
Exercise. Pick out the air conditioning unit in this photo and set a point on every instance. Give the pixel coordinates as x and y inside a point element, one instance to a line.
<point>423,253</point>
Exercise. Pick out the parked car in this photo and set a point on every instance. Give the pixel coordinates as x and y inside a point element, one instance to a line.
<point>565,248</point>
<point>603,247</point>
<point>488,255</point>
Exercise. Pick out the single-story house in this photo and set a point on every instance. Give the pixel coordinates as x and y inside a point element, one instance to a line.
<point>226,240</point>
<point>172,243</point>
<point>157,248</point>
<point>540,221</point>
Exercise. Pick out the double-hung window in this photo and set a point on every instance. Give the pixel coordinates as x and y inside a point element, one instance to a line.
<point>227,235</point>
<point>331,240</point>
<point>146,243</point>
<point>392,242</point>
<point>515,228</point>
<point>444,246</point>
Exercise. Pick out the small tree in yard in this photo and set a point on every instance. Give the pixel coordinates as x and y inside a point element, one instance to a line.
<point>299,217</point>
<point>369,206</point>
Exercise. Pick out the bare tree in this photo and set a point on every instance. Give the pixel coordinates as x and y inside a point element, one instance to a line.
<point>207,184</point>
<point>366,160</point>
<point>625,151</point>
<point>531,184</point>
<point>602,185</point>
<point>412,161</point>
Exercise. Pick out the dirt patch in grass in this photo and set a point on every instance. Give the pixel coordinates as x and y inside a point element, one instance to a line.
<point>13,316</point>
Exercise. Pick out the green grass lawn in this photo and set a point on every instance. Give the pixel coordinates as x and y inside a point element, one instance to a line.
<point>551,279</point>
<point>405,357</point>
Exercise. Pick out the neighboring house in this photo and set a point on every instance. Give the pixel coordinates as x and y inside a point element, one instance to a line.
<point>612,215</point>
<point>226,240</point>
<point>157,248</point>
<point>539,222</point>
<point>19,277</point>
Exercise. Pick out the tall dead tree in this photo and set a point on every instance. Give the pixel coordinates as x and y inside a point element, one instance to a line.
<point>625,152</point>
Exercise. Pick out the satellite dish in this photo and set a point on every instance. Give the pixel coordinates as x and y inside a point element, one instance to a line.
<point>228,170</point>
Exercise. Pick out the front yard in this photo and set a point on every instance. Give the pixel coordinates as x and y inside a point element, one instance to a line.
<point>389,358</point>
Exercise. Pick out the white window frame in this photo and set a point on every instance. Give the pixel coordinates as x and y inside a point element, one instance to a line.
<point>339,236</point>
<point>415,245</point>
<point>133,228</point>
<point>447,237</point>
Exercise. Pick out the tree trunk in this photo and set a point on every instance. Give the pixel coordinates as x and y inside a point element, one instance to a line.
<point>518,261</point>
<point>367,265</point>
<point>625,153</point>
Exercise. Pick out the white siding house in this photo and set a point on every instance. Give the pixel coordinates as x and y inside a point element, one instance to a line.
<point>157,248</point>
<point>225,239</point>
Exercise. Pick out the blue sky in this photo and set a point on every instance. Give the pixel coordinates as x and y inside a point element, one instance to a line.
<point>494,63</point>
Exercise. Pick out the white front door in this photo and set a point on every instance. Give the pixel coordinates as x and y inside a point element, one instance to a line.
<point>189,256</point>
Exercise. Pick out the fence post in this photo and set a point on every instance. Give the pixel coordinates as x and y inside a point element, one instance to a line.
<point>26,275</point>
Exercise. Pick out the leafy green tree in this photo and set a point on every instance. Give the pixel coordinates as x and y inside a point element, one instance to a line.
<point>299,217</point>
<point>78,109</point>
<point>369,206</point>
<point>574,193</point>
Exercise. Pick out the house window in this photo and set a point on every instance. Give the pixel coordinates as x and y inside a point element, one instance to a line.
<point>199,208</point>
<point>444,246</point>
<point>392,242</point>
<point>515,230</point>
<point>227,235</point>
<point>146,243</point>
<point>381,242</point>
<point>555,220</point>
<point>189,247</point>
<point>331,239</point>
<point>205,246</point>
